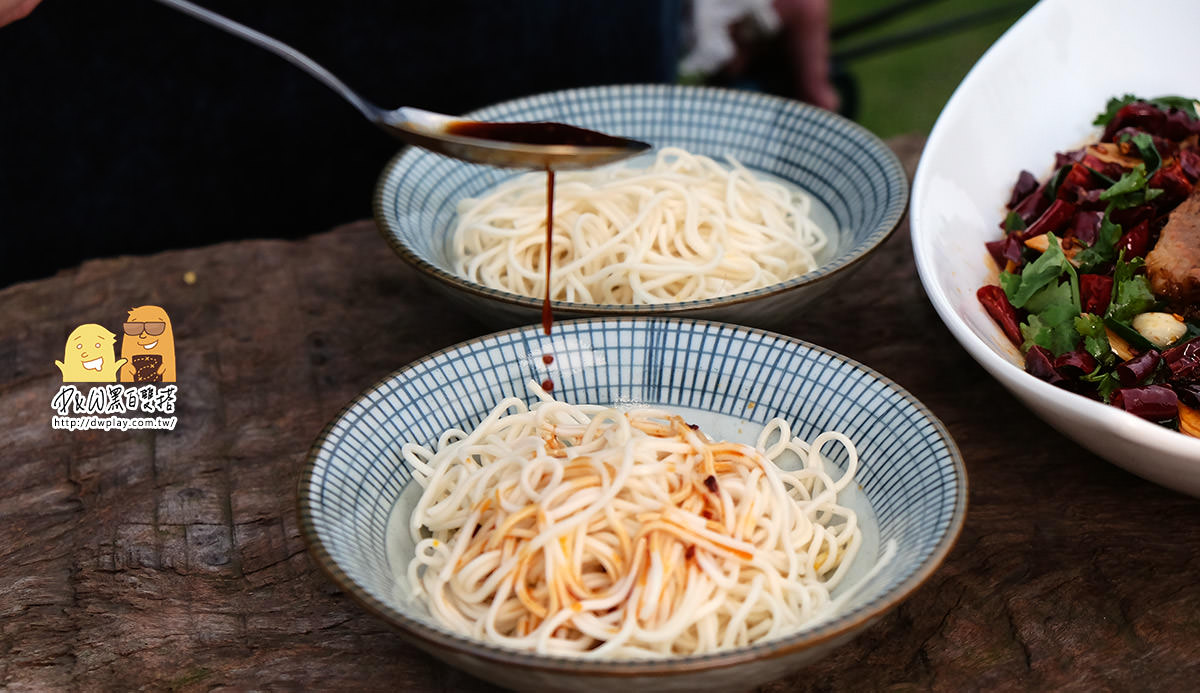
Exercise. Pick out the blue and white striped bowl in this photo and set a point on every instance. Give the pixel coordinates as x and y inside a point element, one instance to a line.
<point>912,487</point>
<point>857,183</point>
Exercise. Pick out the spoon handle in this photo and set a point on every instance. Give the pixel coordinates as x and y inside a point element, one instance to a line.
<point>300,60</point>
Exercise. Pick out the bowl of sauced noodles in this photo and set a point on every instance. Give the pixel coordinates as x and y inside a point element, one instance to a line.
<point>632,504</point>
<point>748,207</point>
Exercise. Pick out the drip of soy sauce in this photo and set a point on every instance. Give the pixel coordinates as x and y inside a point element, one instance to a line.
<point>543,133</point>
<point>539,133</point>
<point>547,311</point>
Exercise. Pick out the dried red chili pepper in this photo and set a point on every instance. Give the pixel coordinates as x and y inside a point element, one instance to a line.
<point>997,305</point>
<point>1095,292</point>
<point>1052,220</point>
<point>1136,241</point>
<point>1174,184</point>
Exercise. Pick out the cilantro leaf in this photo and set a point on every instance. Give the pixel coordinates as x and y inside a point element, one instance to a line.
<point>1148,152</point>
<point>1133,297</point>
<point>1104,250</point>
<point>1130,190</point>
<point>1106,382</point>
<point>1131,292</point>
<point>1125,269</point>
<point>1137,198</point>
<point>1053,329</point>
<point>1132,181</point>
<point>1049,296</point>
<point>1041,272</point>
<point>1052,303</point>
<point>1010,282</point>
<point>1060,318</point>
<point>1095,338</point>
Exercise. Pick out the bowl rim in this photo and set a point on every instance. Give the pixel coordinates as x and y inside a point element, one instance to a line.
<point>1009,374</point>
<point>459,645</point>
<point>894,210</point>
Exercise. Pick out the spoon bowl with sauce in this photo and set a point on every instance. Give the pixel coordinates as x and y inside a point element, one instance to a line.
<point>538,145</point>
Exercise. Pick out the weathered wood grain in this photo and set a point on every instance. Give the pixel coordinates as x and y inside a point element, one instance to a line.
<point>172,561</point>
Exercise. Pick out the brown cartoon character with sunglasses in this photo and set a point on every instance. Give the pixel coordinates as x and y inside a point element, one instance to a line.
<point>149,346</point>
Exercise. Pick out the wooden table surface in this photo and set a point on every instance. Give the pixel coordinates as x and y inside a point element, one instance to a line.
<point>172,560</point>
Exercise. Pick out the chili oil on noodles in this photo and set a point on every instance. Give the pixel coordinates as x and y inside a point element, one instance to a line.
<point>595,532</point>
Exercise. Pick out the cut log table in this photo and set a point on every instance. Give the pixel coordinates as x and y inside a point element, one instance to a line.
<point>171,560</point>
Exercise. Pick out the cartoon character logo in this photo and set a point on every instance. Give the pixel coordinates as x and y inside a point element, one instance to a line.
<point>88,356</point>
<point>149,346</point>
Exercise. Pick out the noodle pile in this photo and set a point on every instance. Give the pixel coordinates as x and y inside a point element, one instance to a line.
<point>582,530</point>
<point>685,228</point>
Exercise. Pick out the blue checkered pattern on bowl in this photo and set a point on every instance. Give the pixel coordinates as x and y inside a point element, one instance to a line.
<point>848,170</point>
<point>911,473</point>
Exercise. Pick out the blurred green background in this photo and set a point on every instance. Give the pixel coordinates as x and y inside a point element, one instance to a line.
<point>902,89</point>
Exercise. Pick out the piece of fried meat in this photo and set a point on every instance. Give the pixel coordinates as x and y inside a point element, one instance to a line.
<point>1174,265</point>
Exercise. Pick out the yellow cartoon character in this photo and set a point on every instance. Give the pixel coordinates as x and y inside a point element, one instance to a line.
<point>88,357</point>
<point>149,345</point>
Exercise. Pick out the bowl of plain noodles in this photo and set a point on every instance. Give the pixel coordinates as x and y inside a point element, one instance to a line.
<point>748,207</point>
<point>632,504</point>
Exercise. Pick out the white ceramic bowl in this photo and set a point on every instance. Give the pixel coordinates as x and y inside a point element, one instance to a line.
<point>911,487</point>
<point>1033,93</point>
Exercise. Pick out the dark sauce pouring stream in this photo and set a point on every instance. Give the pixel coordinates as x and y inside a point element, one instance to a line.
<point>547,311</point>
<point>544,134</point>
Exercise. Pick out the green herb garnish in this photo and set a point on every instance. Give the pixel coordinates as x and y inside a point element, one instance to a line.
<point>1130,190</point>
<point>1104,250</point>
<point>1052,303</point>
<point>1095,338</point>
<point>1051,321</point>
<point>1041,272</point>
<point>1131,291</point>
<point>1106,382</point>
<point>1148,152</point>
<point>1013,222</point>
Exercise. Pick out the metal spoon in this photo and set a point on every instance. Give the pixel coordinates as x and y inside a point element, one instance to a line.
<point>513,145</point>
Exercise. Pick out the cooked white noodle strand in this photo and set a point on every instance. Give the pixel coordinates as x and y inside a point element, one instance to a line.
<point>684,228</point>
<point>584,530</point>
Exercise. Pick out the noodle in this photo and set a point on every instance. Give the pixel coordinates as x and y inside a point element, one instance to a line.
<point>583,530</point>
<point>683,229</point>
